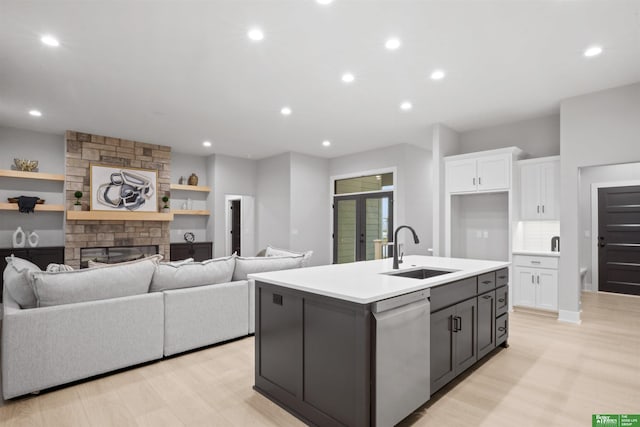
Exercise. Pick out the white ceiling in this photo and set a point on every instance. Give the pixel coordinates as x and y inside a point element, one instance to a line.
<point>181,72</point>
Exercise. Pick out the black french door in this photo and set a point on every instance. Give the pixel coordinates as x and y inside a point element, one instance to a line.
<point>362,224</point>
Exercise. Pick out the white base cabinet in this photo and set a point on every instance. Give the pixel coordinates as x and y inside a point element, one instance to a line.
<point>536,282</point>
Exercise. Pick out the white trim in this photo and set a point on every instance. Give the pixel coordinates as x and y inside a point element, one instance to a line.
<point>595,285</point>
<point>332,186</point>
<point>568,316</point>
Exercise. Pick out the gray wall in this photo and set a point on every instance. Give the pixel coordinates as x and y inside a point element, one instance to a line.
<point>310,207</point>
<point>230,176</point>
<point>538,137</point>
<point>589,176</point>
<point>273,201</point>
<point>49,150</point>
<point>184,165</point>
<point>413,186</point>
<point>596,129</point>
<point>445,142</point>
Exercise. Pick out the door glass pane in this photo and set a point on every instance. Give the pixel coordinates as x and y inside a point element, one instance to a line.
<point>376,227</point>
<point>346,231</point>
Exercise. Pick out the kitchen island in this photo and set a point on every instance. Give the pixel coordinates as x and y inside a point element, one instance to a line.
<point>361,344</point>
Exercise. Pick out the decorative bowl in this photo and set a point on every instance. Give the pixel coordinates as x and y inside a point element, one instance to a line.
<point>25,165</point>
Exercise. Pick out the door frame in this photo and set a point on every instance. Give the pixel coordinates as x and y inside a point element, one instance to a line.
<point>332,187</point>
<point>595,285</point>
<point>359,198</point>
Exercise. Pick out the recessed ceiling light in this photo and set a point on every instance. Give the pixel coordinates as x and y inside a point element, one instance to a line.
<point>437,75</point>
<point>35,113</point>
<point>207,143</point>
<point>326,143</point>
<point>50,41</point>
<point>406,106</point>
<point>324,2</point>
<point>286,111</point>
<point>348,77</point>
<point>255,34</point>
<point>392,44</point>
<point>592,51</point>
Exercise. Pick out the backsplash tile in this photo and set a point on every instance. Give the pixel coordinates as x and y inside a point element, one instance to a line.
<point>535,235</point>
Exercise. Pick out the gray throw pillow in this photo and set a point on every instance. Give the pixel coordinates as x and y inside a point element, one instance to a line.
<point>54,268</point>
<point>16,281</point>
<point>271,251</point>
<point>249,265</point>
<point>191,274</point>
<point>92,284</point>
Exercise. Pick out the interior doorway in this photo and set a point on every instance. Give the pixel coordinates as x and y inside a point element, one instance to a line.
<point>239,225</point>
<point>619,239</point>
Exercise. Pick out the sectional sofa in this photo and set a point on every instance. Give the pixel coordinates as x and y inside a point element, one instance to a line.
<point>61,326</point>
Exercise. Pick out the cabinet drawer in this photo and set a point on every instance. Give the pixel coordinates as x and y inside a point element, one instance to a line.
<point>451,293</point>
<point>502,329</point>
<point>502,300</point>
<point>502,277</point>
<point>486,282</point>
<point>536,261</point>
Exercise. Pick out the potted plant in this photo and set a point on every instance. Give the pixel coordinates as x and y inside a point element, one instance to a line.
<point>77,206</point>
<point>165,208</point>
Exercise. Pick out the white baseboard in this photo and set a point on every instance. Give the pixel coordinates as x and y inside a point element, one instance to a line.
<point>568,316</point>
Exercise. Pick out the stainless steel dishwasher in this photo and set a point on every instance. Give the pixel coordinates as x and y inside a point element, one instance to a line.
<point>402,362</point>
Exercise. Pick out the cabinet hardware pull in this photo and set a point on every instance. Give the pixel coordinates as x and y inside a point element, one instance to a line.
<point>451,324</point>
<point>474,181</point>
<point>479,180</point>
<point>458,323</point>
<point>501,300</point>
<point>502,328</point>
<point>533,280</point>
<point>538,208</point>
<point>502,277</point>
<point>486,296</point>
<point>486,282</point>
<point>542,208</point>
<point>535,262</point>
<point>538,279</point>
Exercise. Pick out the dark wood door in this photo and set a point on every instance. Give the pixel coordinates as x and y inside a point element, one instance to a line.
<point>235,227</point>
<point>466,336</point>
<point>442,348</point>
<point>619,240</point>
<point>486,323</point>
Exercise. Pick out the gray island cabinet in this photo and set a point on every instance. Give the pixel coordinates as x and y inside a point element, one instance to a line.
<point>358,345</point>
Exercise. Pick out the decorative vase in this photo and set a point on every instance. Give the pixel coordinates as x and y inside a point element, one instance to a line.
<point>193,179</point>
<point>181,180</point>
<point>165,210</point>
<point>77,207</point>
<point>33,239</point>
<point>19,238</point>
<point>189,204</point>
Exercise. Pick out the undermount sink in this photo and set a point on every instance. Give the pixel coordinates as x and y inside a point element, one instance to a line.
<point>420,273</point>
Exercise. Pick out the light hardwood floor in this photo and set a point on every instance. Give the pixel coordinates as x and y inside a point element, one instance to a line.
<point>553,374</point>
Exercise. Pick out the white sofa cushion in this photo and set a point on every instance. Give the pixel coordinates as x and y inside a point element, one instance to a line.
<point>16,281</point>
<point>249,265</point>
<point>190,274</point>
<point>92,284</point>
<point>271,251</point>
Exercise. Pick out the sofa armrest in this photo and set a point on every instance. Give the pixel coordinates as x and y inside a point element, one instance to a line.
<point>49,346</point>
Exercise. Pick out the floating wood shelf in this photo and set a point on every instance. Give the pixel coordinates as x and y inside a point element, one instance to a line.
<point>118,216</point>
<point>190,212</point>
<point>32,175</point>
<point>38,208</point>
<point>183,187</point>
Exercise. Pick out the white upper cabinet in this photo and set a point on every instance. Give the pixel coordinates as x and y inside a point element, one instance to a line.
<point>539,195</point>
<point>478,172</point>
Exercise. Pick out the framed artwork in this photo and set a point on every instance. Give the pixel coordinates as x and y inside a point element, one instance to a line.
<point>123,189</point>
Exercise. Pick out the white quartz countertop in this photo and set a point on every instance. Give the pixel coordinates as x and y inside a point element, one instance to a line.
<point>537,253</point>
<point>362,283</point>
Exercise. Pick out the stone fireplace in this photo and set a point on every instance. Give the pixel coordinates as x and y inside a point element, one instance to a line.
<point>82,150</point>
